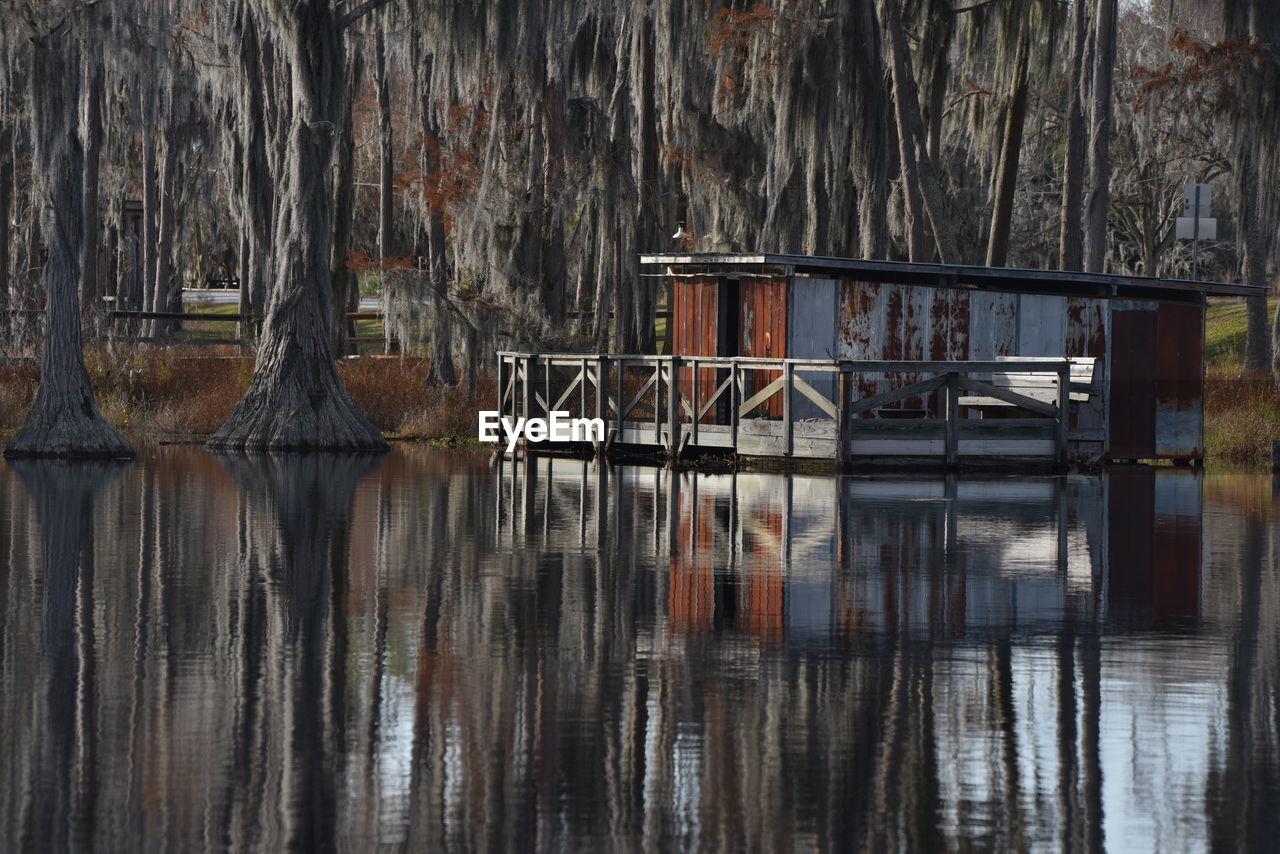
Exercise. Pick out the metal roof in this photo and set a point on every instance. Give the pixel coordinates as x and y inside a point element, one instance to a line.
<point>1008,279</point>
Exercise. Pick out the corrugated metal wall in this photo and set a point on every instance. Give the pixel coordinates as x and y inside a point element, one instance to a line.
<point>763,332</point>
<point>909,322</point>
<point>1179,380</point>
<point>694,311</point>
<point>1157,380</point>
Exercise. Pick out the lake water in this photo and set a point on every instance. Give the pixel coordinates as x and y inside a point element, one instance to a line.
<point>422,652</point>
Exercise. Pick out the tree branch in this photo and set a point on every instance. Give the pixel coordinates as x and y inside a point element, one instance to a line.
<point>360,11</point>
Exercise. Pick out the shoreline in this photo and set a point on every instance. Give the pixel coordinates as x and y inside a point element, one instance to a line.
<point>174,396</point>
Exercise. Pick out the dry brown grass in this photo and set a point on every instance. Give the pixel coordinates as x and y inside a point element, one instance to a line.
<point>17,389</point>
<point>395,395</point>
<point>385,388</point>
<point>448,412</point>
<point>186,393</point>
<point>1241,417</point>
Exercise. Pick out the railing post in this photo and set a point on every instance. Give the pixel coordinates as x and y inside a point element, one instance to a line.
<point>733,405</point>
<point>1064,411</point>
<point>657,401</point>
<point>622,397</point>
<point>582,391</point>
<point>788,429</point>
<point>524,389</point>
<point>844,399</point>
<point>602,400</point>
<point>546,383</point>
<point>697,402</point>
<point>953,419</point>
<point>502,391</point>
<point>673,407</point>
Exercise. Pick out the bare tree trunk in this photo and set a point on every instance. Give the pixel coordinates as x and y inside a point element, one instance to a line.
<point>166,296</point>
<point>64,420</point>
<point>1257,149</point>
<point>870,151</point>
<point>1010,152</point>
<point>1257,336</point>
<point>130,296</point>
<point>296,400</point>
<point>922,190</point>
<point>386,171</point>
<point>111,276</point>
<point>386,175</point>
<point>256,184</point>
<point>939,30</point>
<point>606,271</point>
<point>7,175</point>
<point>1070,242</point>
<point>440,335</point>
<point>647,228</point>
<point>904,99</point>
<point>1104,60</point>
<point>150,202</point>
<point>92,131</point>
<point>553,272</point>
<point>346,293</point>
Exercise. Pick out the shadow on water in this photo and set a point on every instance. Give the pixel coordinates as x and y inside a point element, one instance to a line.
<point>418,651</point>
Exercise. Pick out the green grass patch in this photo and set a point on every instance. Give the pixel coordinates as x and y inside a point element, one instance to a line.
<point>1225,325</point>
<point>209,328</point>
<point>1241,417</point>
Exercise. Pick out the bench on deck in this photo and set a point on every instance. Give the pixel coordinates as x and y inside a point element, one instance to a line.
<point>1083,387</point>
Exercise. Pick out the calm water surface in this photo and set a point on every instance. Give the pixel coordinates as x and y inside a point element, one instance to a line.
<point>421,652</point>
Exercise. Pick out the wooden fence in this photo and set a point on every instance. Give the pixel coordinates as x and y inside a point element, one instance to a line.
<point>919,410</point>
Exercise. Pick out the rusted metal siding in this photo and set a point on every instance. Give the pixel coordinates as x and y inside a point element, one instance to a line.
<point>1086,327</point>
<point>694,313</point>
<point>949,324</point>
<point>1179,380</point>
<point>694,316</point>
<point>1132,371</point>
<point>763,331</point>
<point>1156,388</point>
<point>860,329</point>
<point>892,321</point>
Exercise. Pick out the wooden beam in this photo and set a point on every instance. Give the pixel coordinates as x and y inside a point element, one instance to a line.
<point>814,395</point>
<point>866,404</point>
<point>788,427</point>
<point>764,394</point>
<point>953,419</point>
<point>1019,400</point>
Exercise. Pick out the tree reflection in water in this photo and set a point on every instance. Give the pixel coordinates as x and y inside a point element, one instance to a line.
<point>418,651</point>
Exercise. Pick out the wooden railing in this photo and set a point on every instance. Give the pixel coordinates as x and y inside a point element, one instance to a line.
<point>236,338</point>
<point>811,408</point>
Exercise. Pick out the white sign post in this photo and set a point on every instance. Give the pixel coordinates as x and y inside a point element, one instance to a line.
<point>1195,221</point>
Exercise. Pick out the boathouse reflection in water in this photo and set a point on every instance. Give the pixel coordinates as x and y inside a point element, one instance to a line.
<point>425,652</point>
<point>817,557</point>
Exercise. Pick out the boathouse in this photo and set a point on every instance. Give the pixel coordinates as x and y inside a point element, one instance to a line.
<point>864,362</point>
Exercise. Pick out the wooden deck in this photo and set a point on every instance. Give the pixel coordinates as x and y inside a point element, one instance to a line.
<point>853,414</point>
